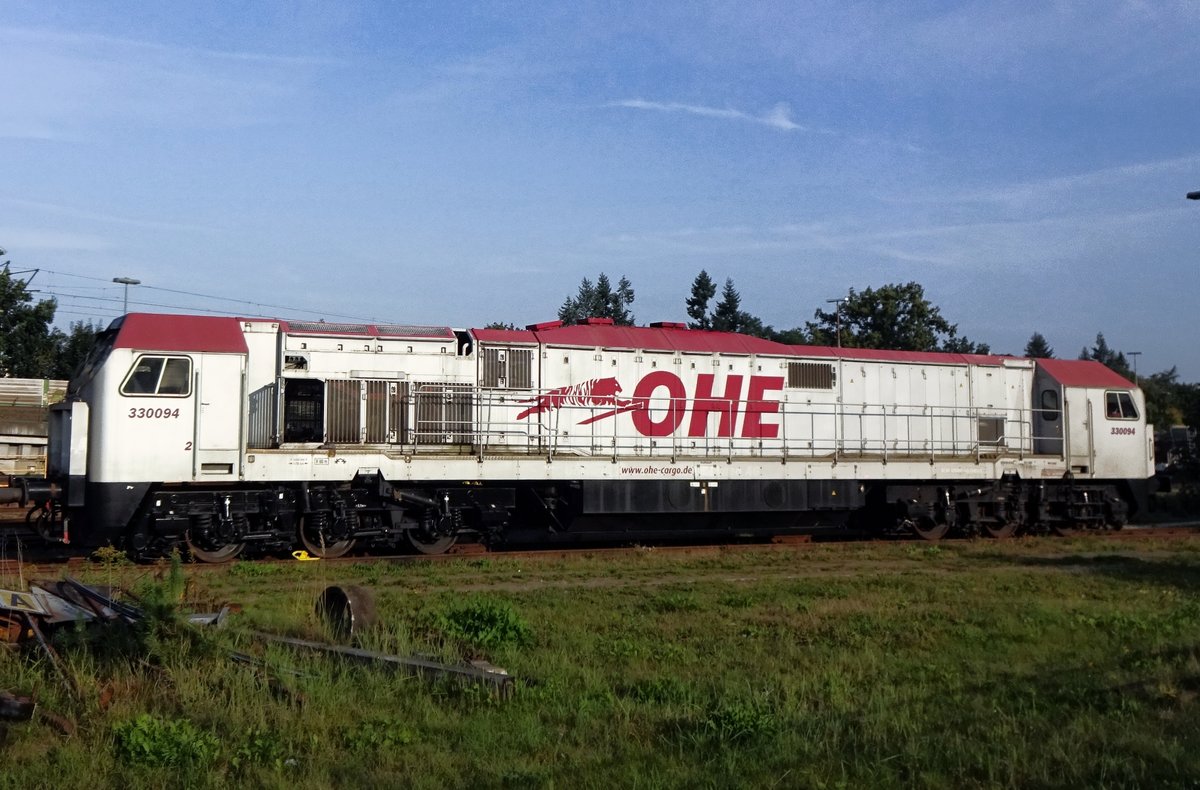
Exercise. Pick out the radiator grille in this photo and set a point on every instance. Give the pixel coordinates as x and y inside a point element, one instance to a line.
<point>509,368</point>
<point>343,411</point>
<point>444,414</point>
<point>810,376</point>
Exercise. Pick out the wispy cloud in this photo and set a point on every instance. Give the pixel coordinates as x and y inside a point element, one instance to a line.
<point>65,86</point>
<point>1079,181</point>
<point>101,217</point>
<point>482,77</point>
<point>778,117</point>
<point>27,239</point>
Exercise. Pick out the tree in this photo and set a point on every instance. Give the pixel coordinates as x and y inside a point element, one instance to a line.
<point>728,316</point>
<point>1108,357</point>
<point>703,290</point>
<point>71,348</point>
<point>27,349</point>
<point>895,317</point>
<point>599,300</point>
<point>1038,348</point>
<point>500,325</point>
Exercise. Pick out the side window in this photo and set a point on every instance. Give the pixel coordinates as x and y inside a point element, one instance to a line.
<point>1050,409</point>
<point>143,378</point>
<point>176,377</point>
<point>154,375</point>
<point>1119,406</point>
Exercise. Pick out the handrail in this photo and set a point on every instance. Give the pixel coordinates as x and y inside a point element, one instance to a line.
<point>485,420</point>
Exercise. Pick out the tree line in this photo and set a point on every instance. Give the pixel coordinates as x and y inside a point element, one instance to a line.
<point>896,316</point>
<point>30,347</point>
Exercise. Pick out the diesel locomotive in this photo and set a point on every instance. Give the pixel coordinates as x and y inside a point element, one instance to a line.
<point>225,435</point>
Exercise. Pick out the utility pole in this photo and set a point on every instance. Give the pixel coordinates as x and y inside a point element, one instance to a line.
<point>837,313</point>
<point>126,281</point>
<point>1135,355</point>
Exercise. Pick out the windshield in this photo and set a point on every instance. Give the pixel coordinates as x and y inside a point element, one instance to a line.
<point>95,358</point>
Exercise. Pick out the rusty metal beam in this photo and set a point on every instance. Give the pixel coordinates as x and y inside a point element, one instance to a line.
<point>501,681</point>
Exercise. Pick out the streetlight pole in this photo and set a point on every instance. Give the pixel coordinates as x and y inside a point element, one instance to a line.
<point>837,313</point>
<point>126,281</point>
<point>1135,355</point>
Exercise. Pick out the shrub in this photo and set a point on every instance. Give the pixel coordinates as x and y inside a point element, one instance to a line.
<point>484,623</point>
<point>151,741</point>
<point>735,720</point>
<point>377,734</point>
<point>259,746</point>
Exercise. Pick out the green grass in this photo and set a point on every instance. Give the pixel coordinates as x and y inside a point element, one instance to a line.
<point>1048,663</point>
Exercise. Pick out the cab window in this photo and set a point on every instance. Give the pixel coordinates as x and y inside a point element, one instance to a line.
<point>1119,406</point>
<point>1050,405</point>
<point>157,375</point>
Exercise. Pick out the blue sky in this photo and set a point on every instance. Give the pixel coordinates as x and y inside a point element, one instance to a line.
<point>452,164</point>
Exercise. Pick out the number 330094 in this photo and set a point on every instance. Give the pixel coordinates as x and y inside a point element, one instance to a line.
<point>1123,431</point>
<point>153,414</point>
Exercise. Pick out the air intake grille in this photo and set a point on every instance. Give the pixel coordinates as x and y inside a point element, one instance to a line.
<point>321,327</point>
<point>810,376</point>
<point>401,330</point>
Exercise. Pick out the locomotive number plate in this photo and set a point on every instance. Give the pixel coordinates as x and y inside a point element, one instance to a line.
<point>153,414</point>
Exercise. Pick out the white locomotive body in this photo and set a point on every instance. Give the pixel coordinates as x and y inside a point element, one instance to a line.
<point>226,432</point>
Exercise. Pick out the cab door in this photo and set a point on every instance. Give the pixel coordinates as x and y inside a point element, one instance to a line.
<point>1079,421</point>
<point>1048,418</point>
<point>220,407</point>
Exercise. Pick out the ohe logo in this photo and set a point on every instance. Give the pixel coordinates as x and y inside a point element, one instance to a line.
<point>661,402</point>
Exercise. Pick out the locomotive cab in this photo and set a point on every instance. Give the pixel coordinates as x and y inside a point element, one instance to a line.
<point>1094,419</point>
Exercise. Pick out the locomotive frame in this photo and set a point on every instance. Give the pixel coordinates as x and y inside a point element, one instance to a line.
<point>226,433</point>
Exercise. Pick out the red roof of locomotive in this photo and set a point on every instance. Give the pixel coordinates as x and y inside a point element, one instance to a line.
<point>679,338</point>
<point>1083,373</point>
<point>167,332</point>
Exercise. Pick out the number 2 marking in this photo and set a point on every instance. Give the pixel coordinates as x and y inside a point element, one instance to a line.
<point>187,447</point>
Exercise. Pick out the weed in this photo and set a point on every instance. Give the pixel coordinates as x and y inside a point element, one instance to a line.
<point>150,741</point>
<point>663,690</point>
<point>736,720</point>
<point>110,557</point>
<point>485,623</point>
<point>375,735</point>
<point>259,746</point>
<point>253,570</point>
<point>676,602</point>
<point>738,600</point>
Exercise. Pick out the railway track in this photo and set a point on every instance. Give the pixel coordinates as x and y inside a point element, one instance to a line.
<point>36,561</point>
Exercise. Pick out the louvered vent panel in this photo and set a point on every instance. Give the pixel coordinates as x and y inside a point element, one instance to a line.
<point>810,376</point>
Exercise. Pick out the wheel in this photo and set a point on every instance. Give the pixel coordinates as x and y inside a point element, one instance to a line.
<point>318,541</point>
<point>210,551</point>
<point>209,540</point>
<point>424,543</point>
<point>1000,530</point>
<point>926,529</point>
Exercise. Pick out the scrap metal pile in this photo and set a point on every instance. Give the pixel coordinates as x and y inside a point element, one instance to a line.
<point>30,617</point>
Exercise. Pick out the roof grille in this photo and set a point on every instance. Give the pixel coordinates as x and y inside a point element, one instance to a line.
<point>404,330</point>
<point>322,326</point>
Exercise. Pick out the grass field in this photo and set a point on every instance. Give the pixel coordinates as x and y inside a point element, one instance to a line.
<point>1031,663</point>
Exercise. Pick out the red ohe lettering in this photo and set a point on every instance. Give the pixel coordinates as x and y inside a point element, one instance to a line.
<point>643,421</point>
<point>660,402</point>
<point>753,426</point>
<point>727,405</point>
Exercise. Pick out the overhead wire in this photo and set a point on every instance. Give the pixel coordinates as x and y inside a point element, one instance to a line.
<point>231,300</point>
